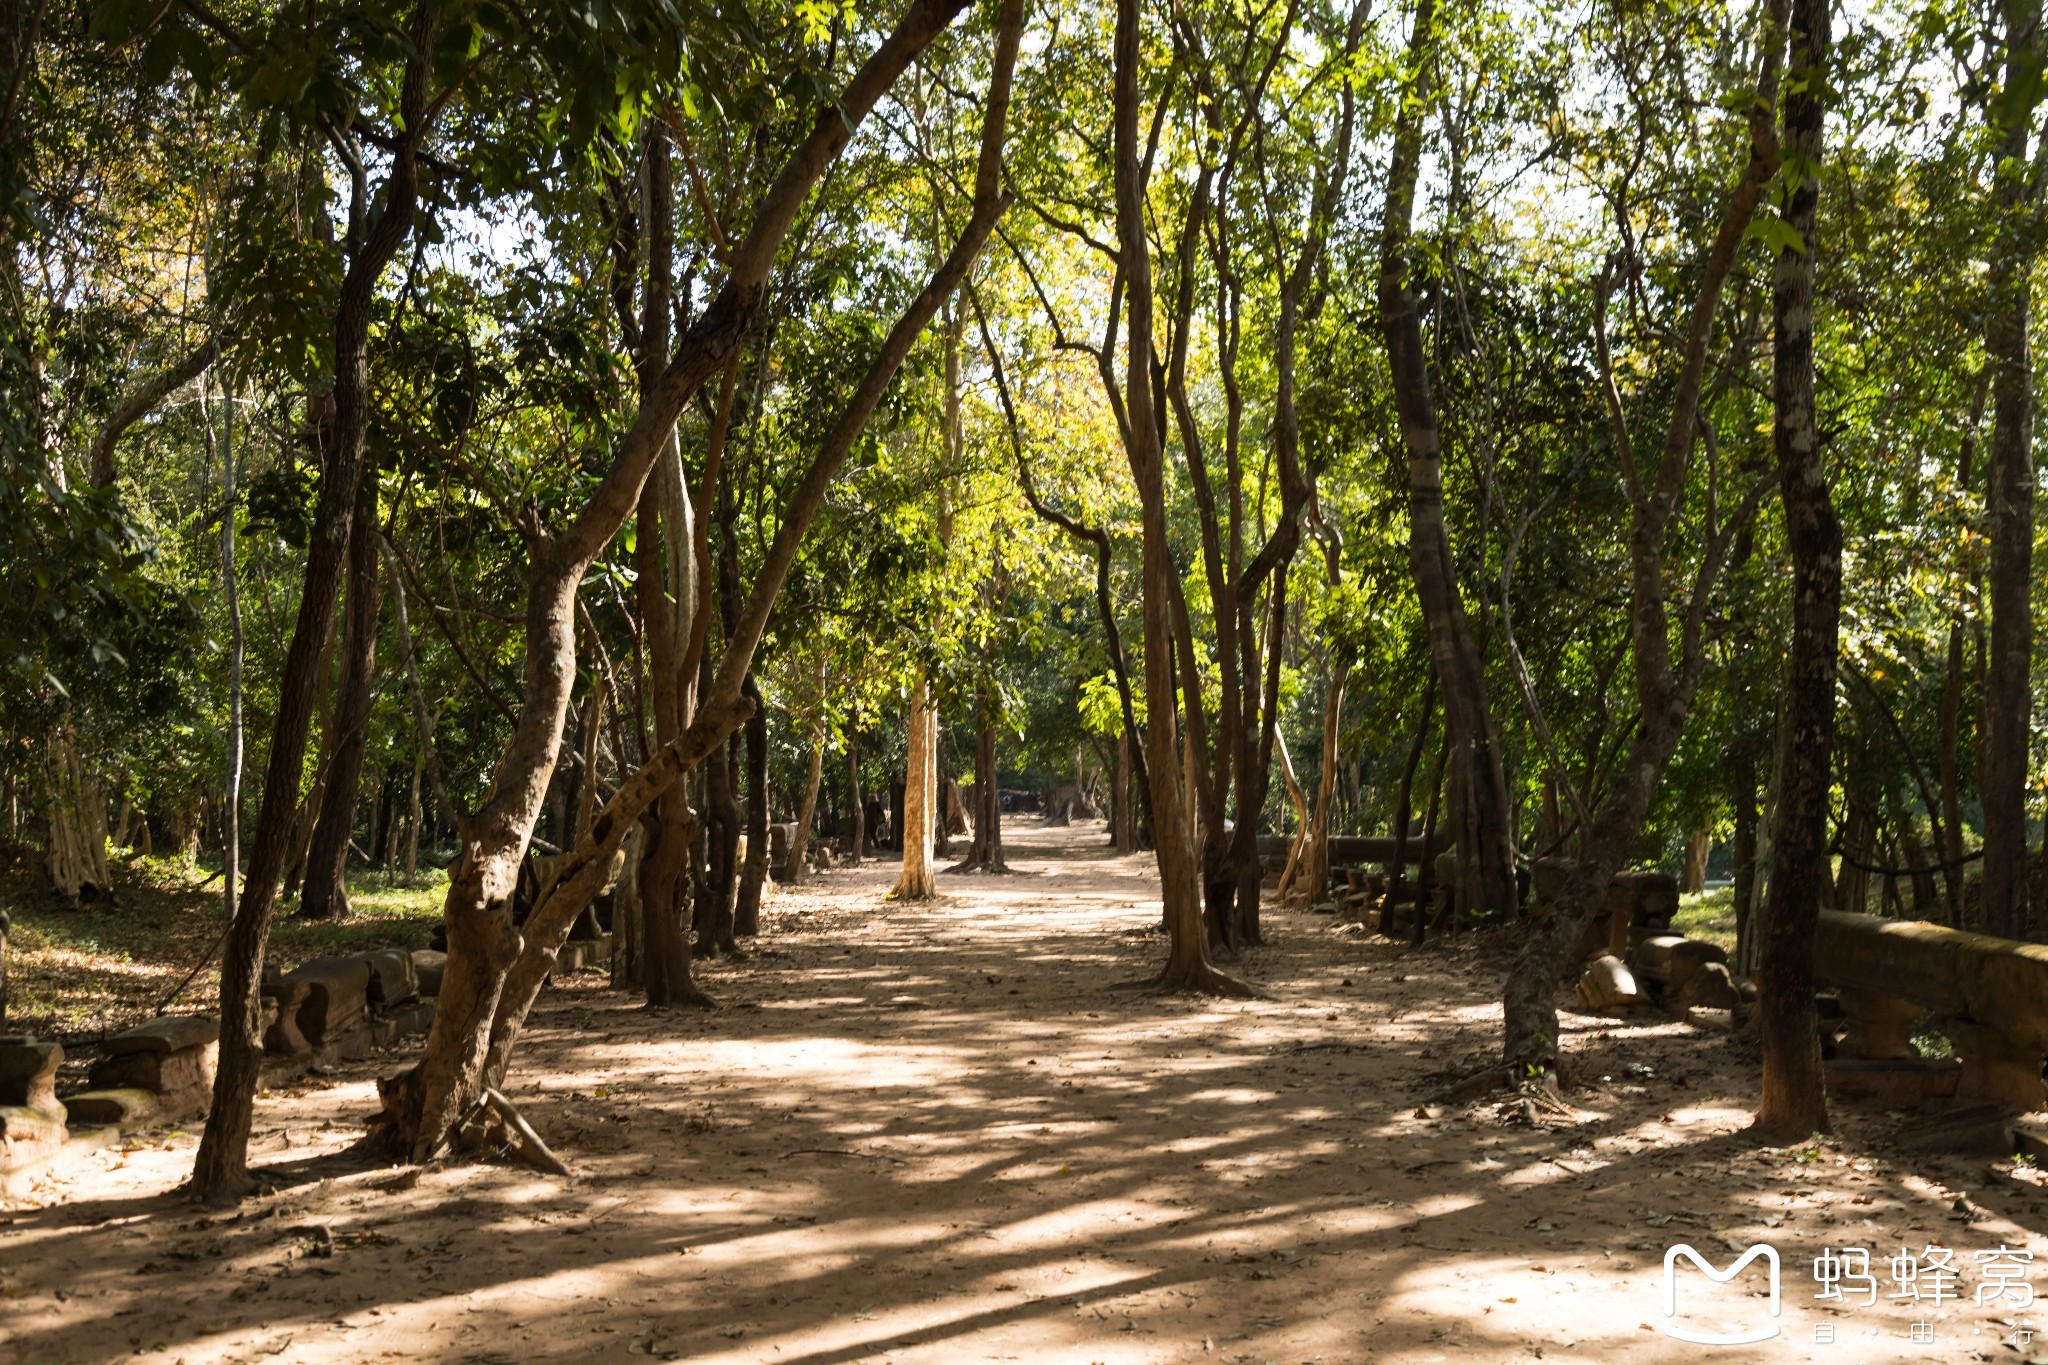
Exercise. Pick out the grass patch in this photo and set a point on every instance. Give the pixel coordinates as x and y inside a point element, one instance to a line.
<point>1708,915</point>
<point>81,974</point>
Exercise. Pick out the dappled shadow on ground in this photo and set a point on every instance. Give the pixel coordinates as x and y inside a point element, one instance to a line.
<point>935,1133</point>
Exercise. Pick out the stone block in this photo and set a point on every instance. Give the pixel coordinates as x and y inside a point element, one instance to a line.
<point>392,980</point>
<point>1974,1130</point>
<point>281,1035</point>
<point>1709,988</point>
<point>28,1073</point>
<point>28,1135</point>
<point>1876,1027</point>
<point>1998,1069</point>
<point>1670,960</point>
<point>428,967</point>
<point>125,1108</point>
<point>1607,984</point>
<point>1898,1083</point>
<point>182,1081</point>
<point>173,1033</point>
<point>337,997</point>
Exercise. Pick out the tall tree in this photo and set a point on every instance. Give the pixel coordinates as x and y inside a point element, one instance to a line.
<point>1461,678</point>
<point>2020,171</point>
<point>1794,1092</point>
<point>221,1169</point>
<point>1664,687</point>
<point>1188,966</point>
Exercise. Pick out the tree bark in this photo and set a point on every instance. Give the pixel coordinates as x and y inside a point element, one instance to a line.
<point>488,1014</point>
<point>1948,833</point>
<point>324,892</point>
<point>1187,966</point>
<point>814,779</point>
<point>754,872</point>
<point>1404,809</point>
<point>220,1171</point>
<point>920,790</point>
<point>858,806</point>
<point>1468,711</point>
<point>75,856</point>
<point>1794,1103</point>
<point>1664,694</point>
<point>2009,481</point>
<point>144,400</point>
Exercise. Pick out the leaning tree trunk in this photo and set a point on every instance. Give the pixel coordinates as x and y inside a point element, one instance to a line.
<point>1468,713</point>
<point>426,1103</point>
<point>221,1169</point>
<point>1794,1104</point>
<point>1187,966</point>
<point>1664,695</point>
<point>806,812</point>
<point>324,892</point>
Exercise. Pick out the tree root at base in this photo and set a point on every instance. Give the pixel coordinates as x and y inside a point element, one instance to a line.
<point>510,1132</point>
<point>1205,980</point>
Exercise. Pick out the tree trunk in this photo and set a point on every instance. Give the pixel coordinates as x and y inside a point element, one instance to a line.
<point>307,814</point>
<point>1317,860</point>
<point>1461,678</point>
<point>806,812</point>
<point>324,892</point>
<point>426,1102</point>
<point>629,941</point>
<point>1664,694</point>
<point>1698,845</point>
<point>413,816</point>
<point>858,850</point>
<point>1123,833</point>
<point>1187,966</point>
<point>2009,482</point>
<point>1794,1103</point>
<point>220,1171</point>
<point>754,873</point>
<point>1404,809</point>
<point>985,852</point>
<point>920,792</point>
<point>75,857</point>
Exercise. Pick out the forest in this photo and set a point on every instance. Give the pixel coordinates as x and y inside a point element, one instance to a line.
<point>1027,680</point>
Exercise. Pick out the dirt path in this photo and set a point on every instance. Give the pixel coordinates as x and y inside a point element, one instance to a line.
<point>941,1133</point>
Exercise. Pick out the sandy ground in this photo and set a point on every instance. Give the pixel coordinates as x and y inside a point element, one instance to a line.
<point>944,1133</point>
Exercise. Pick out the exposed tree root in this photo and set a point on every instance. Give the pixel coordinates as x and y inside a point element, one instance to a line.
<point>1479,1084</point>
<point>1205,979</point>
<point>520,1141</point>
<point>691,996</point>
<point>1529,1097</point>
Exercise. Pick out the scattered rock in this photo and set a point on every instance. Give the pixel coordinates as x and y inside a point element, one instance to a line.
<point>28,1073</point>
<point>392,980</point>
<point>173,1033</point>
<point>125,1107</point>
<point>1710,988</point>
<point>1607,984</point>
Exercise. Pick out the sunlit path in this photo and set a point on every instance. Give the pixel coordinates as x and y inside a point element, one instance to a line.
<point>940,1133</point>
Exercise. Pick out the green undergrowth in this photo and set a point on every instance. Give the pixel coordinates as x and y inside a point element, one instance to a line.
<point>78,974</point>
<point>1708,915</point>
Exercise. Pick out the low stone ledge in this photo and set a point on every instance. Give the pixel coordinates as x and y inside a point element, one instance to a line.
<point>122,1107</point>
